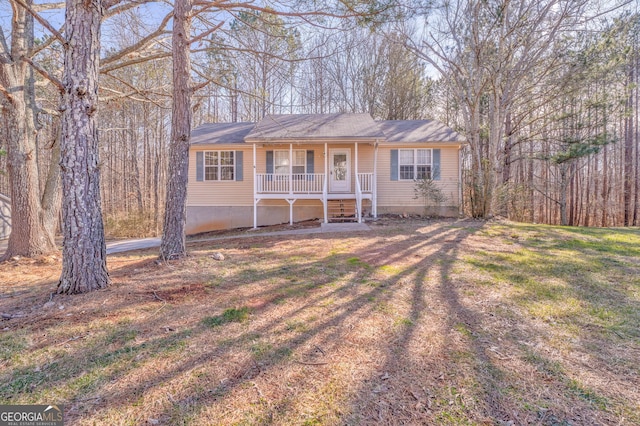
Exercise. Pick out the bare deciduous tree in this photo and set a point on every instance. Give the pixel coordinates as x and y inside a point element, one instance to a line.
<point>34,211</point>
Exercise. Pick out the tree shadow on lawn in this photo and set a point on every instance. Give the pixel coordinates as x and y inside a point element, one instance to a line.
<point>380,333</point>
<point>422,379</point>
<point>481,374</point>
<point>89,365</point>
<point>349,309</point>
<point>576,321</point>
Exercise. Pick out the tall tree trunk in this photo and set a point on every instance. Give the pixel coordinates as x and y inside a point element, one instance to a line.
<point>636,113</point>
<point>51,196</point>
<point>532,193</point>
<point>572,196</point>
<point>135,170</point>
<point>628,152</point>
<point>173,243</point>
<point>587,203</point>
<point>605,186</point>
<point>31,231</point>
<point>84,262</point>
<point>564,184</point>
<point>508,146</point>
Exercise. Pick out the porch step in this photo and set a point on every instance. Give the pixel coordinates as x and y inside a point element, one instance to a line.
<point>342,210</point>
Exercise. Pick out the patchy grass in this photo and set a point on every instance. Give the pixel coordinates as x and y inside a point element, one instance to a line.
<point>415,322</point>
<point>229,315</point>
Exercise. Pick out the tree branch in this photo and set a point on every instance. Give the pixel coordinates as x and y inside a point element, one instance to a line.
<point>41,20</point>
<point>44,73</point>
<point>48,6</point>
<point>206,33</point>
<point>112,11</point>
<point>119,65</point>
<point>6,93</point>
<point>130,95</point>
<point>206,81</point>
<point>5,52</point>
<point>50,112</point>
<point>140,44</point>
<point>223,5</point>
<point>48,42</point>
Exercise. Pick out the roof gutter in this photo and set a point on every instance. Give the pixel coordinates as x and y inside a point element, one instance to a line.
<point>276,141</point>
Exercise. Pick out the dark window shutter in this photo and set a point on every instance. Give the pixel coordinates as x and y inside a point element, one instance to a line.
<point>394,164</point>
<point>199,166</point>
<point>310,161</point>
<point>269,161</point>
<point>239,165</point>
<point>310,164</point>
<point>435,175</point>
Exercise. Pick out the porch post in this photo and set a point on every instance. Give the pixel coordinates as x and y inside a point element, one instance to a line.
<point>374,201</point>
<point>356,160</point>
<point>291,169</point>
<point>325,188</point>
<point>291,201</point>
<point>358,193</point>
<point>255,190</point>
<point>460,199</point>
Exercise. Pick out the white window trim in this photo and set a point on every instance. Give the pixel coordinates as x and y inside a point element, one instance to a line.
<point>275,166</point>
<point>415,163</point>
<point>204,166</point>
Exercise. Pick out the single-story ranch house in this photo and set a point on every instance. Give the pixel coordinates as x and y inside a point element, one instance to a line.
<point>336,167</point>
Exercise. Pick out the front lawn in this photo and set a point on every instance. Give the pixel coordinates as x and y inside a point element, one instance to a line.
<point>414,322</point>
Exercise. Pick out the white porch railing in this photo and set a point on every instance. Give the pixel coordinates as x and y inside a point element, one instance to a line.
<point>366,182</point>
<point>301,183</point>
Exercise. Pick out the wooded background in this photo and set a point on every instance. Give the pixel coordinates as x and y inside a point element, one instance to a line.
<point>546,93</point>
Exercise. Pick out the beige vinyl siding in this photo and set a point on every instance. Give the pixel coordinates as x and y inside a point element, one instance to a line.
<point>390,193</point>
<point>401,193</point>
<point>234,193</point>
<point>221,193</point>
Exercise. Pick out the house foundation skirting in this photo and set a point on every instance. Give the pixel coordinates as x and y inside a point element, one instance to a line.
<point>208,218</point>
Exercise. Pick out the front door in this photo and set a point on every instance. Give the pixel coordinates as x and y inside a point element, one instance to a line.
<point>340,170</point>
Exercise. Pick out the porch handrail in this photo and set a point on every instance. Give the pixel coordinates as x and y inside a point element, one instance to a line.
<point>300,183</point>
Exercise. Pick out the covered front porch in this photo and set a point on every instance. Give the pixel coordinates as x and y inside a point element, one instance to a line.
<point>343,177</point>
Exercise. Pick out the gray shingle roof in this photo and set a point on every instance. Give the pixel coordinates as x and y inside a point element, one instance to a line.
<point>220,133</point>
<point>315,126</point>
<point>418,131</point>
<point>300,127</point>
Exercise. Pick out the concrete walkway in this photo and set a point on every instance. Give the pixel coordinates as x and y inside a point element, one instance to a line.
<point>128,245</point>
<point>143,243</point>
